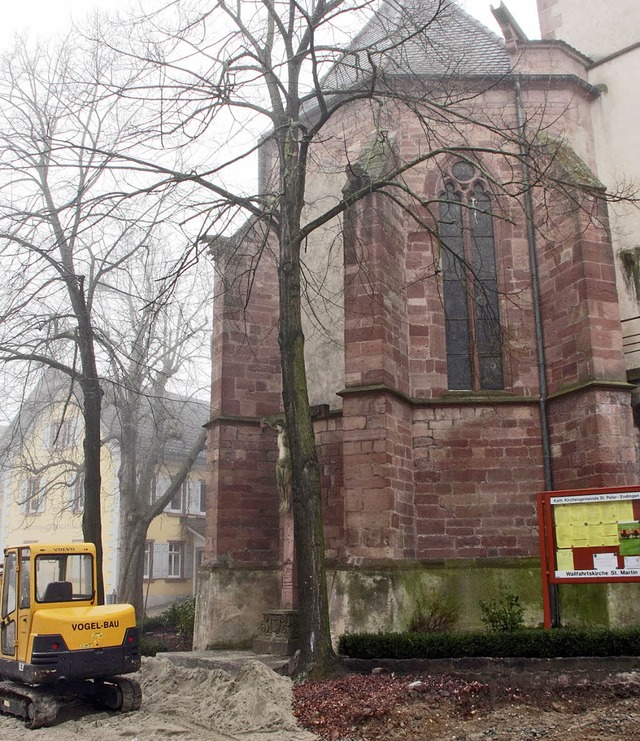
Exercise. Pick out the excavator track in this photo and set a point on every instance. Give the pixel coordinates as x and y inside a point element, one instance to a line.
<point>38,706</point>
<point>35,705</point>
<point>131,694</point>
<point>119,693</point>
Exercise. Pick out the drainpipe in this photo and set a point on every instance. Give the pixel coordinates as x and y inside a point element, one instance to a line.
<point>537,317</point>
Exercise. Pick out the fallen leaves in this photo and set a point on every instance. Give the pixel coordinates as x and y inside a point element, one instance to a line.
<point>401,707</point>
<point>338,709</point>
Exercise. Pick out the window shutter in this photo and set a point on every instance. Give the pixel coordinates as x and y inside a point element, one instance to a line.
<point>48,435</point>
<point>192,502</point>
<point>187,550</point>
<point>75,493</point>
<point>42,496</point>
<point>188,503</point>
<point>24,495</point>
<point>148,560</point>
<point>160,560</point>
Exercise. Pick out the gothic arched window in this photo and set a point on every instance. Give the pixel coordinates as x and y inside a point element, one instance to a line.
<point>472,314</point>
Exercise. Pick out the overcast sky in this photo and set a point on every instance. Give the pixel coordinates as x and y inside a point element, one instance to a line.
<point>53,16</point>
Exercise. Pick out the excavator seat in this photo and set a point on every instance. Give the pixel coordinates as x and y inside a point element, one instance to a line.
<point>58,591</point>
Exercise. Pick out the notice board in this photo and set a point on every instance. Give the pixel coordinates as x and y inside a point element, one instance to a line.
<point>588,536</point>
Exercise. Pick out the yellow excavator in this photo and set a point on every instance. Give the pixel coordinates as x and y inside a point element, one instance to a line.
<point>56,643</point>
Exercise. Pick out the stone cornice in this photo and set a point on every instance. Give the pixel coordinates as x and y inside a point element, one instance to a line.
<point>221,419</point>
<point>488,398</point>
<point>318,411</point>
<point>450,398</point>
<point>376,566</point>
<point>590,384</point>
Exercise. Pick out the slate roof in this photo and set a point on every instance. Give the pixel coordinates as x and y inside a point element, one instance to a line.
<point>188,415</point>
<point>34,405</point>
<point>420,37</point>
<point>197,525</point>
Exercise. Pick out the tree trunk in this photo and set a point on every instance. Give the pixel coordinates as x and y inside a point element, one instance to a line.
<point>92,515</point>
<point>316,652</point>
<point>133,536</point>
<point>92,411</point>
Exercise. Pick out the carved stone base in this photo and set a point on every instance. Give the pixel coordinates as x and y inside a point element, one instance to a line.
<point>278,633</point>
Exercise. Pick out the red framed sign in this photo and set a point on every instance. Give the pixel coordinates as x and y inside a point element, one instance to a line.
<point>588,536</point>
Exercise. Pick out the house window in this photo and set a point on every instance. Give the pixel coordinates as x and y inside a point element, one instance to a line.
<point>34,496</point>
<point>62,434</point>
<point>175,560</point>
<point>472,313</point>
<point>76,494</point>
<point>193,498</point>
<point>175,505</point>
<point>148,560</point>
<point>203,496</point>
<point>163,482</point>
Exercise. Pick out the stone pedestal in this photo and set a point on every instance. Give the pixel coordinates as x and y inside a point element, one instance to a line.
<point>278,633</point>
<point>289,592</point>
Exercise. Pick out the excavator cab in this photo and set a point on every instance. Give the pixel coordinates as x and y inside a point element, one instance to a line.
<point>55,640</point>
<point>39,576</point>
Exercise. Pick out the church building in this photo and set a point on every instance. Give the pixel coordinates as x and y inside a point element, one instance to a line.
<point>461,358</point>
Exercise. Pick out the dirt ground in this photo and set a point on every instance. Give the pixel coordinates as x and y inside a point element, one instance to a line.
<point>210,705</point>
<point>446,708</point>
<point>612,721</point>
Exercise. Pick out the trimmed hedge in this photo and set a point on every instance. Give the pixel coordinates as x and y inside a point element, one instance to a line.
<point>528,642</point>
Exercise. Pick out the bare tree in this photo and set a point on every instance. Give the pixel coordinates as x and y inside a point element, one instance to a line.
<point>154,343</point>
<point>49,233</point>
<point>325,82</point>
<point>67,246</point>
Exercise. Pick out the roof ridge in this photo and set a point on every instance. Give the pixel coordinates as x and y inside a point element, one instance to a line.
<point>496,36</point>
<point>420,37</point>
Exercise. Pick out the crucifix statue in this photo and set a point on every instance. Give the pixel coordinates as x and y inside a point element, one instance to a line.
<point>283,468</point>
<point>288,594</point>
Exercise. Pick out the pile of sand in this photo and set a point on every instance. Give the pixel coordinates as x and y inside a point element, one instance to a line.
<point>192,704</point>
<point>257,700</point>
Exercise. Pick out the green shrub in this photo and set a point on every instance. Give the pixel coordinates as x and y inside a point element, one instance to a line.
<point>432,612</point>
<point>149,624</point>
<point>181,615</point>
<point>151,646</point>
<point>169,617</point>
<point>503,612</point>
<point>528,643</point>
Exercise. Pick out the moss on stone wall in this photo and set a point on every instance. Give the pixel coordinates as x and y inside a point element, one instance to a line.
<point>367,600</point>
<point>371,599</point>
<point>583,605</point>
<point>630,260</point>
<point>367,596</point>
<point>380,597</point>
<point>623,601</point>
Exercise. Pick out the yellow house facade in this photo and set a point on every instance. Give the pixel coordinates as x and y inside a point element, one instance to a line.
<point>175,541</point>
<point>41,498</point>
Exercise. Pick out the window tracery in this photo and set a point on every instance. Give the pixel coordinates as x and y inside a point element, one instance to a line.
<point>472,312</point>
